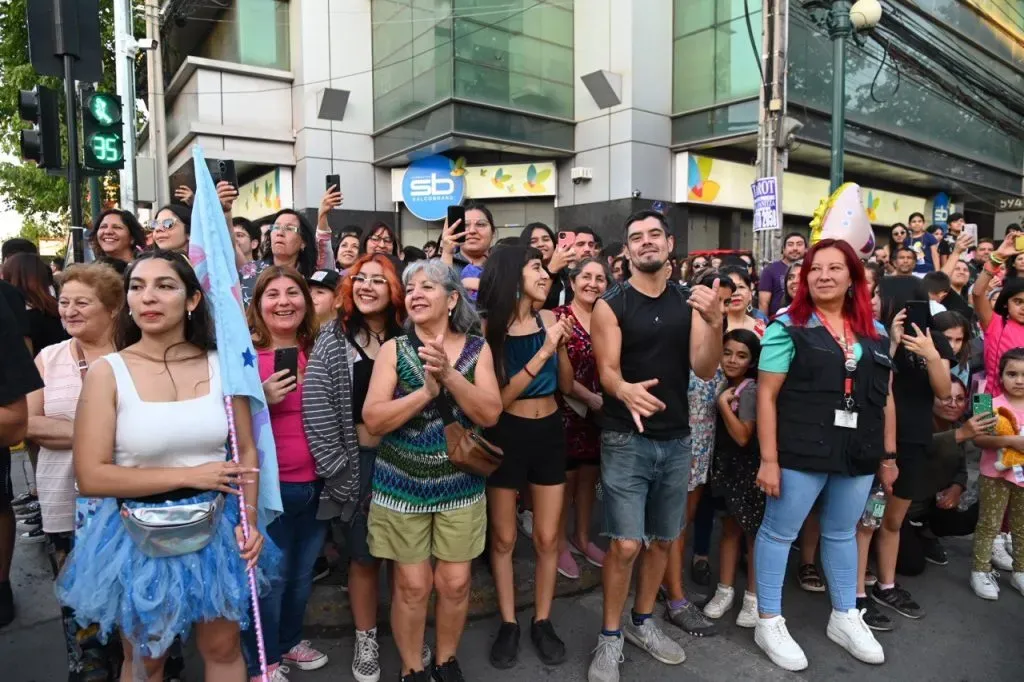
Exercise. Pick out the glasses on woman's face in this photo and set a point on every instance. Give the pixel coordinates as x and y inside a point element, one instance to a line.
<point>954,400</point>
<point>699,264</point>
<point>375,280</point>
<point>162,225</point>
<point>382,239</point>
<point>287,229</point>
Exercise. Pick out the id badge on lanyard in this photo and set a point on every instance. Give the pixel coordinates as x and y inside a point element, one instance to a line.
<point>846,416</point>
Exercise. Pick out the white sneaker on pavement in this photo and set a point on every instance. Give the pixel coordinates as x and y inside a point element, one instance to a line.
<point>1017,580</point>
<point>848,630</point>
<point>774,639</point>
<point>748,615</point>
<point>526,522</point>
<point>721,602</point>
<point>366,657</point>
<point>984,585</point>
<point>607,656</point>
<point>1001,558</point>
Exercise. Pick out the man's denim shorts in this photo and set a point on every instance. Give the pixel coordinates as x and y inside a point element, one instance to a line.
<point>645,486</point>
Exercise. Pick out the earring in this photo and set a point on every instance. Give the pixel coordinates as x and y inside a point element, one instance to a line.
<point>129,313</point>
<point>849,293</point>
<point>750,307</point>
<point>451,311</point>
<point>189,316</point>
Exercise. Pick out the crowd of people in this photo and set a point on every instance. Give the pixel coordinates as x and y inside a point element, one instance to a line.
<point>428,405</point>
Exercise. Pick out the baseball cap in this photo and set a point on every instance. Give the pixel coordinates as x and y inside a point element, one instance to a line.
<point>324,278</point>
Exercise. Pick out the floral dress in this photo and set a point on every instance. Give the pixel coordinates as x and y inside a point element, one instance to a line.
<point>734,466</point>
<point>582,436</point>
<point>701,397</point>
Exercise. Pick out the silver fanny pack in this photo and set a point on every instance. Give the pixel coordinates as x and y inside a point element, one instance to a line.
<point>173,530</point>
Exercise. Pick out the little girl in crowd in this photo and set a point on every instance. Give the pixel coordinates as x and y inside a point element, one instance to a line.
<point>1001,483</point>
<point>734,472</point>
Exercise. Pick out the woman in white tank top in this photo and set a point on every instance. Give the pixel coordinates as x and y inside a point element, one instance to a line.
<point>150,431</point>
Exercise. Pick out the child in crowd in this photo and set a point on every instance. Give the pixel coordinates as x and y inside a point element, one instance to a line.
<point>1002,481</point>
<point>734,472</point>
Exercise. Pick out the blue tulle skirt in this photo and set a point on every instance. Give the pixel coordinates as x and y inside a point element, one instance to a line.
<point>108,581</point>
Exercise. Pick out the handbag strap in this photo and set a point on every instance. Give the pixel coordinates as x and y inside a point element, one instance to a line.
<point>441,401</point>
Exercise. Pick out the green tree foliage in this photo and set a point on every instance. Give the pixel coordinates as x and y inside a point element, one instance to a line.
<point>27,189</point>
<point>38,227</point>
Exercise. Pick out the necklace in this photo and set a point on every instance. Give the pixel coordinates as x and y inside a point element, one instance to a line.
<point>379,337</point>
<point>161,360</point>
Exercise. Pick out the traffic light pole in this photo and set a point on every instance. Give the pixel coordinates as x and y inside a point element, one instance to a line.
<point>74,170</point>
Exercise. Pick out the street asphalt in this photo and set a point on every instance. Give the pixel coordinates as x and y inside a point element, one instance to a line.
<point>962,638</point>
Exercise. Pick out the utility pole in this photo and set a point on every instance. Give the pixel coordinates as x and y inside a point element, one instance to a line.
<point>157,131</point>
<point>840,28</point>
<point>125,50</point>
<point>772,134</point>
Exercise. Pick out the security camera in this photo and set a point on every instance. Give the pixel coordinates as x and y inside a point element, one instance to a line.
<point>637,194</point>
<point>148,43</point>
<point>577,181</point>
<point>787,129</point>
<point>865,14</point>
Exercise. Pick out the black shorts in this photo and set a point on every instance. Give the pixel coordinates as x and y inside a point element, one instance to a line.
<point>914,481</point>
<point>534,451</point>
<point>6,487</point>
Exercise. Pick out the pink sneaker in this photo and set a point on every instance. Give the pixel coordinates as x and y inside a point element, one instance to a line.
<point>593,554</point>
<point>567,565</point>
<point>304,657</point>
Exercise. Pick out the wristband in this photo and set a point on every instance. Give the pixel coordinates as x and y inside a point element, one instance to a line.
<point>529,373</point>
<point>889,456</point>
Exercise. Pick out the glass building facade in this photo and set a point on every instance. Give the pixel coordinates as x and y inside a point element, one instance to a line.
<point>471,59</point>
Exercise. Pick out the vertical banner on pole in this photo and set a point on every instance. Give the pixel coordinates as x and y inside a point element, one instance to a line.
<point>766,204</point>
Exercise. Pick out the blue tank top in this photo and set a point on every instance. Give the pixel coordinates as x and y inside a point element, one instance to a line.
<point>519,350</point>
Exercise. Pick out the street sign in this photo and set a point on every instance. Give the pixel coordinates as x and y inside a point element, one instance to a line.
<point>766,204</point>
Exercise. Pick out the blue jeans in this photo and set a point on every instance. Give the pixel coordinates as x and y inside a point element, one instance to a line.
<point>300,537</point>
<point>645,486</point>
<point>842,503</point>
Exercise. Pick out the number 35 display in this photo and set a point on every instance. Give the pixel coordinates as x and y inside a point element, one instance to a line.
<point>101,129</point>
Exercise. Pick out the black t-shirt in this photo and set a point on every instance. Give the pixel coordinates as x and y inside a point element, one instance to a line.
<point>655,345</point>
<point>18,374</point>
<point>946,245</point>
<point>912,392</point>
<point>44,330</point>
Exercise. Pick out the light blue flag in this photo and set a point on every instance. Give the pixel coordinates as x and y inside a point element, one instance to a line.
<point>212,253</point>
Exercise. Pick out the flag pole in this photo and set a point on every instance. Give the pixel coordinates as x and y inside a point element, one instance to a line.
<point>254,594</point>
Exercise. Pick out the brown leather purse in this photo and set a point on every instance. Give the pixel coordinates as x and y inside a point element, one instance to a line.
<point>467,450</point>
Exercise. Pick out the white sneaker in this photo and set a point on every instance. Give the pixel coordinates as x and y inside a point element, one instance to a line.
<point>774,639</point>
<point>721,602</point>
<point>984,585</point>
<point>748,616</point>
<point>848,630</point>
<point>1001,558</point>
<point>366,657</point>
<point>1017,580</point>
<point>526,522</point>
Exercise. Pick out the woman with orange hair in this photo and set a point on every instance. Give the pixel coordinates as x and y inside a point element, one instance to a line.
<point>371,309</point>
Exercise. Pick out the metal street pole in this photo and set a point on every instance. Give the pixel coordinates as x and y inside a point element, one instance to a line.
<point>157,132</point>
<point>840,28</point>
<point>67,43</point>
<point>125,49</point>
<point>771,154</point>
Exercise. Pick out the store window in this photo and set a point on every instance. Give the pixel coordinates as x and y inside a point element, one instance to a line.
<point>714,61</point>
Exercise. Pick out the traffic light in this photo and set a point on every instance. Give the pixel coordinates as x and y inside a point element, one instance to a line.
<point>101,128</point>
<point>41,143</point>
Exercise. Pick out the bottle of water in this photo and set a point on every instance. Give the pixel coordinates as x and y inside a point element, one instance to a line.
<point>874,510</point>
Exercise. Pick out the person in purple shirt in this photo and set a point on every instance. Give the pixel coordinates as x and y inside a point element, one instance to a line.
<point>772,285</point>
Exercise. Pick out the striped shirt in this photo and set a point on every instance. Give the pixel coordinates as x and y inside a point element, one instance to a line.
<point>55,474</point>
<point>412,473</point>
<point>327,420</point>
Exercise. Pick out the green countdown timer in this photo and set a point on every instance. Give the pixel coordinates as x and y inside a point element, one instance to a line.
<point>106,148</point>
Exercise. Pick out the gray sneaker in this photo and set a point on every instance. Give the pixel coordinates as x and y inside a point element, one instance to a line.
<point>691,620</point>
<point>651,639</point>
<point>607,656</point>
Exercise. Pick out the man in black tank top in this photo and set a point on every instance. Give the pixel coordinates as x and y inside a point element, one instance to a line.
<point>646,339</point>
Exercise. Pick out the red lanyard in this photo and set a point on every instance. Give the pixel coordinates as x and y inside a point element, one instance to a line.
<point>846,343</point>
